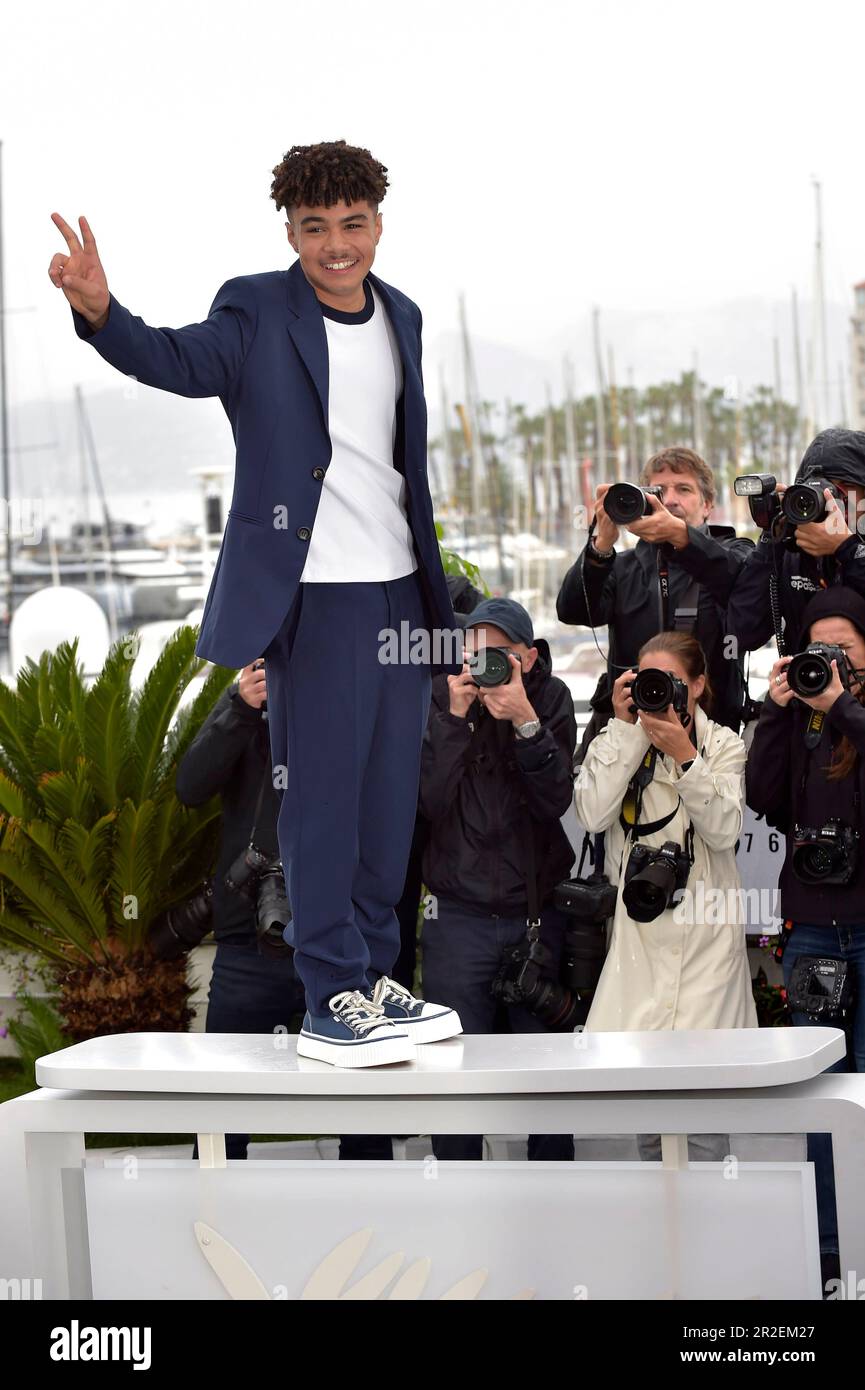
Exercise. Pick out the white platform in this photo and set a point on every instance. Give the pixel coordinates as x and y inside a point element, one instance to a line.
<point>744,1082</point>
<point>268,1064</point>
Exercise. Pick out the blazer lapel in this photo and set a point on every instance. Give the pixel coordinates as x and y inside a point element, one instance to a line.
<point>306,327</point>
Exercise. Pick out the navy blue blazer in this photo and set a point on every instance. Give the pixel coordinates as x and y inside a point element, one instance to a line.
<point>263,351</point>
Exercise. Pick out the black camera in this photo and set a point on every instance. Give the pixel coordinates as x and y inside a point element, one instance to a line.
<point>804,502</point>
<point>652,878</point>
<point>590,902</point>
<point>625,502</point>
<point>810,672</point>
<point>829,855</point>
<point>653,690</point>
<point>801,503</point>
<point>183,926</point>
<point>261,878</point>
<point>490,666</point>
<point>822,988</point>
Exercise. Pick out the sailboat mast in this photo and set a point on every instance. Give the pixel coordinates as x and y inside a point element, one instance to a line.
<point>4,418</point>
<point>600,426</point>
<point>800,392</point>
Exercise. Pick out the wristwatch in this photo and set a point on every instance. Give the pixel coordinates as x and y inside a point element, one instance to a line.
<point>529,729</point>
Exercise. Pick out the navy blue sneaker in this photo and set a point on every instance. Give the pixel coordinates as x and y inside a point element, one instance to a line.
<point>354,1032</point>
<point>424,1022</point>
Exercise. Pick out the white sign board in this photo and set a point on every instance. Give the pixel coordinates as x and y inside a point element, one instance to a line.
<point>291,1230</point>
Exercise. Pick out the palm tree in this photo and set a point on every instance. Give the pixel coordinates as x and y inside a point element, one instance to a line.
<point>94,844</point>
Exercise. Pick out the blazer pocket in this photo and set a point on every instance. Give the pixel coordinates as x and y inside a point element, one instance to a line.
<point>241,516</point>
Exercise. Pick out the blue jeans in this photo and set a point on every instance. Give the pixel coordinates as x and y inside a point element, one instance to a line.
<point>840,943</point>
<point>251,993</point>
<point>461,954</point>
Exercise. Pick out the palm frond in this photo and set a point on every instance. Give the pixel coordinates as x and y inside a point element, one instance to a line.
<point>154,707</point>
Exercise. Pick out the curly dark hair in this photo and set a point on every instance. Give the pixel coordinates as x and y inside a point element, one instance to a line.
<point>321,175</point>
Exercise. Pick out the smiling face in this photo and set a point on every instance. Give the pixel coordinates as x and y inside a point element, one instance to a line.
<point>336,246</point>
<point>682,495</point>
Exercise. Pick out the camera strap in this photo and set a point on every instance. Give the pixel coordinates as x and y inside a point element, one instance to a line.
<point>533,921</point>
<point>268,775</point>
<point>814,731</point>
<point>685,616</point>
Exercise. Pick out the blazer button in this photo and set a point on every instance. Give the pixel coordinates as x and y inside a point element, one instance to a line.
<point>318,474</point>
<point>303,533</point>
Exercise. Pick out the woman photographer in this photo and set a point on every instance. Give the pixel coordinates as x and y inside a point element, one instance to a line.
<point>672,777</point>
<point>806,775</point>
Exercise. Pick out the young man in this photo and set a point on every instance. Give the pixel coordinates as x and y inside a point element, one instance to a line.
<point>678,576</point>
<point>329,540</point>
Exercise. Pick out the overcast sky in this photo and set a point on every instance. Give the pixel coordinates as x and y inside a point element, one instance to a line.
<point>544,156</point>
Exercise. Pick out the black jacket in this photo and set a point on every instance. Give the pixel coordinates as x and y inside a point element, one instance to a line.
<point>624,595</point>
<point>836,454</point>
<point>475,773</point>
<point>230,757</point>
<point>787,783</point>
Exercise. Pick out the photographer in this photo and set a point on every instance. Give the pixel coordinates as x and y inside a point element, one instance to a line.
<point>254,987</point>
<point>669,778</point>
<point>792,562</point>
<point>806,775</point>
<point>678,577</point>
<point>495,781</point>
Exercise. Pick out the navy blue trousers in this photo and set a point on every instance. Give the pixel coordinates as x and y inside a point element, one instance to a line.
<point>345,734</point>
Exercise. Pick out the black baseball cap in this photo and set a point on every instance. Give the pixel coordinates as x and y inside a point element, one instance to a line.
<point>507,615</point>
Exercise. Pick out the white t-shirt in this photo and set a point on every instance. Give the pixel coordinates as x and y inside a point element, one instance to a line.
<point>361,529</point>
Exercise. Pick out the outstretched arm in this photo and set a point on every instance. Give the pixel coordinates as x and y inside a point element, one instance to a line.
<point>201,359</point>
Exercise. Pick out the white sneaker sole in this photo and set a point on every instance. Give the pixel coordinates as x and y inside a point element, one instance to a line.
<point>430,1030</point>
<point>372,1054</point>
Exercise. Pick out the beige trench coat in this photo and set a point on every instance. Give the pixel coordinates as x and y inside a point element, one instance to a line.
<point>689,967</point>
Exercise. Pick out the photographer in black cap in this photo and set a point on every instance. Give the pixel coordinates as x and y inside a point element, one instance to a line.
<point>806,775</point>
<point>678,577</point>
<point>496,778</point>
<point>791,563</point>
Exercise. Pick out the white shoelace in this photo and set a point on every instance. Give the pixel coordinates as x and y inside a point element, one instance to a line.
<point>392,990</point>
<point>357,1011</point>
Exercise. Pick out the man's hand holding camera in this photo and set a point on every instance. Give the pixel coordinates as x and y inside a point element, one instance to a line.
<point>823,537</point>
<point>462,691</point>
<point>606,530</point>
<point>509,701</point>
<point>661,526</point>
<point>251,685</point>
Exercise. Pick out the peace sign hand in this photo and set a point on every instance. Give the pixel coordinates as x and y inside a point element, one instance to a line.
<point>79,272</point>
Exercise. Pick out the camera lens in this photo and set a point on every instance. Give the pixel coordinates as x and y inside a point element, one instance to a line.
<point>804,503</point>
<point>813,863</point>
<point>624,503</point>
<point>652,690</point>
<point>490,666</point>
<point>809,674</point>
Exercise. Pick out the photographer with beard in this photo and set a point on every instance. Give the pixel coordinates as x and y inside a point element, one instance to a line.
<point>777,581</point>
<point>678,577</point>
<point>806,775</point>
<point>496,779</point>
